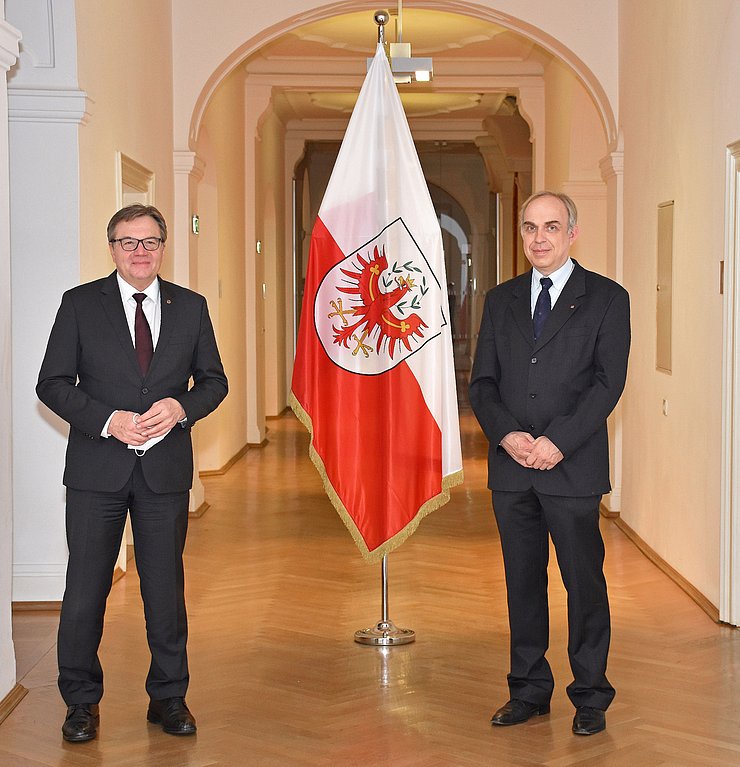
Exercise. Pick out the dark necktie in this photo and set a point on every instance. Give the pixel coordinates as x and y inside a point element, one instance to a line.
<point>542,307</point>
<point>142,335</point>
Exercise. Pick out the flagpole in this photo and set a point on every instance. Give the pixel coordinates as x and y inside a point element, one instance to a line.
<point>381,19</point>
<point>385,632</point>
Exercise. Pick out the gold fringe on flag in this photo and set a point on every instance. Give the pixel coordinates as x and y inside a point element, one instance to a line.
<point>377,554</point>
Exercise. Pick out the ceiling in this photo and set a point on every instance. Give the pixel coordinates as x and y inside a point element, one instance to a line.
<point>466,53</point>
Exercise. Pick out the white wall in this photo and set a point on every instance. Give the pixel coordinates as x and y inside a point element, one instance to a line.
<point>46,108</point>
<point>8,54</point>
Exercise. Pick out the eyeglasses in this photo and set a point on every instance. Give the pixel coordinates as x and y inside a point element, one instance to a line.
<point>131,243</point>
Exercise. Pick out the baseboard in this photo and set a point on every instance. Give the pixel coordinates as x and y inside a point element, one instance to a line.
<point>200,511</point>
<point>607,513</point>
<point>674,575</point>
<point>220,472</point>
<point>11,700</point>
<point>21,607</point>
<point>285,410</point>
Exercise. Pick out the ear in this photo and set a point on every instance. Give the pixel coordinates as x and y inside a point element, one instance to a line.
<point>572,234</point>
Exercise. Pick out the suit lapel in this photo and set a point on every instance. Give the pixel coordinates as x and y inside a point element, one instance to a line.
<point>521,306</point>
<point>566,306</point>
<point>110,298</point>
<point>168,313</point>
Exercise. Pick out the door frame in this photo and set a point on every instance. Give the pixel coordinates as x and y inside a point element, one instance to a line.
<point>729,603</point>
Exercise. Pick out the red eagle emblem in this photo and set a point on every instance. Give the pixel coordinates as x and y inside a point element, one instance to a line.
<point>374,308</point>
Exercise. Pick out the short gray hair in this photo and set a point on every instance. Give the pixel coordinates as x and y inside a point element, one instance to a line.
<point>570,206</point>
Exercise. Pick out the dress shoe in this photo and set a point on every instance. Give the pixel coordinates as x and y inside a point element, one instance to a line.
<point>173,715</point>
<point>517,711</point>
<point>588,721</point>
<point>81,722</point>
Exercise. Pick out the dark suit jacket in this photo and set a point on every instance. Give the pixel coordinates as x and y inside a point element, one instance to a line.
<point>90,369</point>
<point>563,386</point>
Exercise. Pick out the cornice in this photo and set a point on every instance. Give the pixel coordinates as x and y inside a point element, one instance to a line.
<point>48,105</point>
<point>612,165</point>
<point>9,39</point>
<point>187,162</point>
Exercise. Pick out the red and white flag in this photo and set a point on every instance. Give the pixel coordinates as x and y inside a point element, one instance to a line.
<point>374,379</point>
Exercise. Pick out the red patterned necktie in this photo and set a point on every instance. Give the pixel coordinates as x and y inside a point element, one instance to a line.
<point>142,335</point>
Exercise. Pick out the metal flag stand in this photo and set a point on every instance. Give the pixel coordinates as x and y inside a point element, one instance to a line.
<point>385,632</point>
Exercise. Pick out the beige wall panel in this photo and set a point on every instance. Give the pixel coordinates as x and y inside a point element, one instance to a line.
<point>677,152</point>
<point>221,253</point>
<point>125,68</point>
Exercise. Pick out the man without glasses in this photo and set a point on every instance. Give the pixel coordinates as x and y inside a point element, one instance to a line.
<point>550,366</point>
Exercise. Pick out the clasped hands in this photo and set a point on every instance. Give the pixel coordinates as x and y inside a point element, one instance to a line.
<point>540,453</point>
<point>135,429</point>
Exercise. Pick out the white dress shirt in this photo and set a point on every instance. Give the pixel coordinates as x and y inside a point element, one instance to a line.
<point>153,313</point>
<point>151,306</point>
<point>559,277</point>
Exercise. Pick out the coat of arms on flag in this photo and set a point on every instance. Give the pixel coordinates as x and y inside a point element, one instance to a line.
<point>380,304</point>
<point>373,378</point>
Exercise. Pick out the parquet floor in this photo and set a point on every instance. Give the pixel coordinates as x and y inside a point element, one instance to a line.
<point>276,589</point>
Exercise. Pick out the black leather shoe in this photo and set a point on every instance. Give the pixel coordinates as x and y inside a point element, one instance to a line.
<point>81,722</point>
<point>517,711</point>
<point>173,715</point>
<point>588,721</point>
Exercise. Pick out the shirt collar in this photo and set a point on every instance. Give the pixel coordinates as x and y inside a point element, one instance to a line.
<point>559,277</point>
<point>151,291</point>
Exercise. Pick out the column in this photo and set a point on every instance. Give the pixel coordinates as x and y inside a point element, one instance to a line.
<point>183,250</point>
<point>9,38</point>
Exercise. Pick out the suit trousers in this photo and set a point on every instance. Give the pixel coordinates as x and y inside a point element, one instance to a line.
<point>524,520</point>
<point>95,524</point>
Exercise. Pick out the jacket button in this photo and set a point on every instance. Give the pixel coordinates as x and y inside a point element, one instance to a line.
<point>531,427</point>
<point>145,390</point>
<point>532,396</point>
<point>534,360</point>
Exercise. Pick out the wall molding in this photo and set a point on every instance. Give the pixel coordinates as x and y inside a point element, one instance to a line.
<point>729,593</point>
<point>9,40</point>
<point>48,105</point>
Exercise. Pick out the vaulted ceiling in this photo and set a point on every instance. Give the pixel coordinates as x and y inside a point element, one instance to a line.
<point>476,64</point>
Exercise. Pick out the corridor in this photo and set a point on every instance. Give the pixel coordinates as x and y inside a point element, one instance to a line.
<point>276,589</point>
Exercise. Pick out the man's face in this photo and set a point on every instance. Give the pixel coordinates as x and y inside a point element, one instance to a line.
<point>138,267</point>
<point>545,234</point>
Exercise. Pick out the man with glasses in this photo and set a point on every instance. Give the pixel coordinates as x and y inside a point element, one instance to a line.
<point>118,366</point>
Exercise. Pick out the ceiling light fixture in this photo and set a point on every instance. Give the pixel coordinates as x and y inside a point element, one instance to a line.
<point>406,68</point>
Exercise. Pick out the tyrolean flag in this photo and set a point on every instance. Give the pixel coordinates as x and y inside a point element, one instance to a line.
<point>374,379</point>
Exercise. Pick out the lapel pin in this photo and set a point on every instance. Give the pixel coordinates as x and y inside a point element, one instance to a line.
<point>169,301</point>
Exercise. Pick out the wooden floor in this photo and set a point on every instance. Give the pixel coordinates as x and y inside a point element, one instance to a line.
<point>276,589</point>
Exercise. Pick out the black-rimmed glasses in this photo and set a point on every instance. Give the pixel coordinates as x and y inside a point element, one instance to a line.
<point>131,243</point>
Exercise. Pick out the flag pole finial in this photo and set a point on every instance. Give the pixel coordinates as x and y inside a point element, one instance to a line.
<point>381,19</point>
